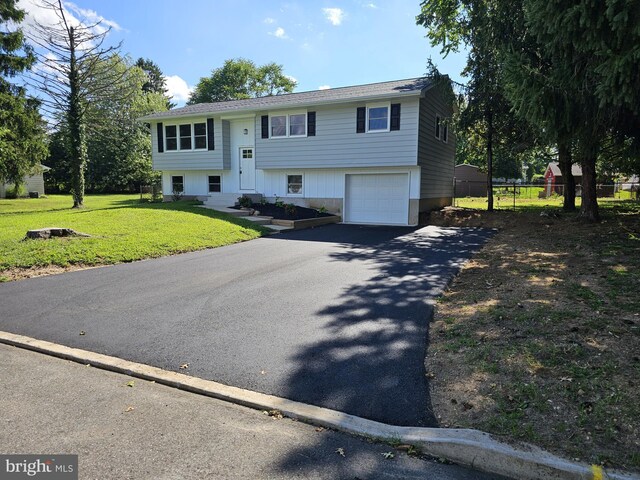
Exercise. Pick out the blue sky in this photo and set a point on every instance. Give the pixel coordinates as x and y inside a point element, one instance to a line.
<point>319,43</point>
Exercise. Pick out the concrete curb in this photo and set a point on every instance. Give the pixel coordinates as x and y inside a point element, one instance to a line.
<point>467,447</point>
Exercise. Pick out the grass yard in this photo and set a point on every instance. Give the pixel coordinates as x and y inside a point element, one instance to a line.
<point>538,338</point>
<point>122,229</point>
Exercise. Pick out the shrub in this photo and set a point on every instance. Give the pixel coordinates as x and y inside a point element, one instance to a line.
<point>245,202</point>
<point>290,209</point>
<point>176,194</point>
<point>16,191</point>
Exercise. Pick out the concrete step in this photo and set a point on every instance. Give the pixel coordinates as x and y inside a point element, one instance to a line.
<point>230,211</point>
<point>279,228</point>
<point>259,220</point>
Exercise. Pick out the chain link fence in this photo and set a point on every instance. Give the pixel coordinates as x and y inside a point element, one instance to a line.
<point>511,195</point>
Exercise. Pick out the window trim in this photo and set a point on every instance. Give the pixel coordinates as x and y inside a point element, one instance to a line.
<point>176,176</point>
<point>209,183</point>
<point>286,184</point>
<point>438,126</point>
<point>445,132</point>
<point>287,116</point>
<point>378,105</point>
<point>193,136</point>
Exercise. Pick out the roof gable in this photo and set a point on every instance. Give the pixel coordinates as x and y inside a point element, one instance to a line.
<point>397,88</point>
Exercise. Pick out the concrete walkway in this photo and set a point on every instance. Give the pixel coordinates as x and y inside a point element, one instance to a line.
<point>152,431</point>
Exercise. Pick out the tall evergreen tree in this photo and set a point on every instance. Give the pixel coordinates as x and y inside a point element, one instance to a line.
<point>22,138</point>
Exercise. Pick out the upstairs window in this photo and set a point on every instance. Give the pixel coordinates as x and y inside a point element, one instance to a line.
<point>437,132</point>
<point>378,118</point>
<point>445,132</point>
<point>290,125</point>
<point>171,135</point>
<point>279,126</point>
<point>298,125</point>
<point>185,137</point>
<point>189,136</point>
<point>200,135</point>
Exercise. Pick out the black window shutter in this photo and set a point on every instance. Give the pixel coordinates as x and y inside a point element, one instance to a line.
<point>361,117</point>
<point>211,142</point>
<point>311,124</point>
<point>395,116</point>
<point>265,126</point>
<point>160,138</point>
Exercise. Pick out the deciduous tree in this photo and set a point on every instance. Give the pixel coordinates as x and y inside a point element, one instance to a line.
<point>241,78</point>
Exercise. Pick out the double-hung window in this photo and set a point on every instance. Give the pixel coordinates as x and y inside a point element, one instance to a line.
<point>290,125</point>
<point>186,136</point>
<point>294,184</point>
<point>378,118</point>
<point>200,136</point>
<point>177,183</point>
<point>278,126</point>
<point>171,136</point>
<point>215,183</point>
<point>437,132</point>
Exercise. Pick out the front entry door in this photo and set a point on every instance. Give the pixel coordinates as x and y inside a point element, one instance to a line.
<point>247,169</point>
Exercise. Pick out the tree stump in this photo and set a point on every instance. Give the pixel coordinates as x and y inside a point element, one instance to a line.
<point>46,233</point>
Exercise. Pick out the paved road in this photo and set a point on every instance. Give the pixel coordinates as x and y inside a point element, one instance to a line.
<point>336,316</point>
<point>54,406</point>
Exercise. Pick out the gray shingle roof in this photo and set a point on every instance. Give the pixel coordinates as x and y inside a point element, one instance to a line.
<point>396,88</point>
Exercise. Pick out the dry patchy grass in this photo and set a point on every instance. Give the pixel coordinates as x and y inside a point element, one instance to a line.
<point>538,338</point>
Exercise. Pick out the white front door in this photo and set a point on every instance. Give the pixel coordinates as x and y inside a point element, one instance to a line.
<point>247,169</point>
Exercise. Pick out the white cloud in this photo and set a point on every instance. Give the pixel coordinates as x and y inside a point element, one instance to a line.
<point>293,79</point>
<point>178,88</point>
<point>37,13</point>
<point>371,5</point>
<point>324,87</point>
<point>279,33</point>
<point>334,15</point>
<point>269,20</point>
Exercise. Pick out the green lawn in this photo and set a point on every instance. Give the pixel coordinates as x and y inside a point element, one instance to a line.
<point>122,229</point>
<point>505,202</point>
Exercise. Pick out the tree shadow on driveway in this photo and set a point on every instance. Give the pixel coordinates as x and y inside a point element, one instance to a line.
<point>370,363</point>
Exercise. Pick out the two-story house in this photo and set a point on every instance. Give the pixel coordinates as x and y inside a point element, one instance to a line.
<point>375,154</point>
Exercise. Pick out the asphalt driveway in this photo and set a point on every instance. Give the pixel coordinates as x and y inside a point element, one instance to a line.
<point>335,316</point>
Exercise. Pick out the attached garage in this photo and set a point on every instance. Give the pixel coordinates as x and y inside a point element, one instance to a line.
<point>377,198</point>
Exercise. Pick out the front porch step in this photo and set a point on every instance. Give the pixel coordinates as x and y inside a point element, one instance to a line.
<point>259,220</point>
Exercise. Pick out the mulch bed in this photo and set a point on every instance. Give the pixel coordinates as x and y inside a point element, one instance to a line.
<point>281,213</point>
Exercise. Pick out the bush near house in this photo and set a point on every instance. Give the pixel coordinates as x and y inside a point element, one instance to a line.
<point>122,229</point>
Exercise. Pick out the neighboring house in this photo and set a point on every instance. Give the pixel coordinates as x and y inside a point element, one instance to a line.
<point>376,154</point>
<point>553,178</point>
<point>470,181</point>
<point>32,183</point>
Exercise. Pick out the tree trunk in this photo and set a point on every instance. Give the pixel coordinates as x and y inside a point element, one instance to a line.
<point>76,128</point>
<point>565,161</point>
<point>589,209</point>
<point>490,161</point>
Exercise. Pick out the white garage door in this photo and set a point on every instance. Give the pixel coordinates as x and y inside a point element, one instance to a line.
<point>377,198</point>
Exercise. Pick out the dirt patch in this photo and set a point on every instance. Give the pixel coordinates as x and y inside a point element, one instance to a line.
<point>13,274</point>
<point>538,338</point>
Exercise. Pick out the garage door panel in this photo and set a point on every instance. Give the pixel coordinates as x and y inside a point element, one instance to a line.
<point>377,198</point>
